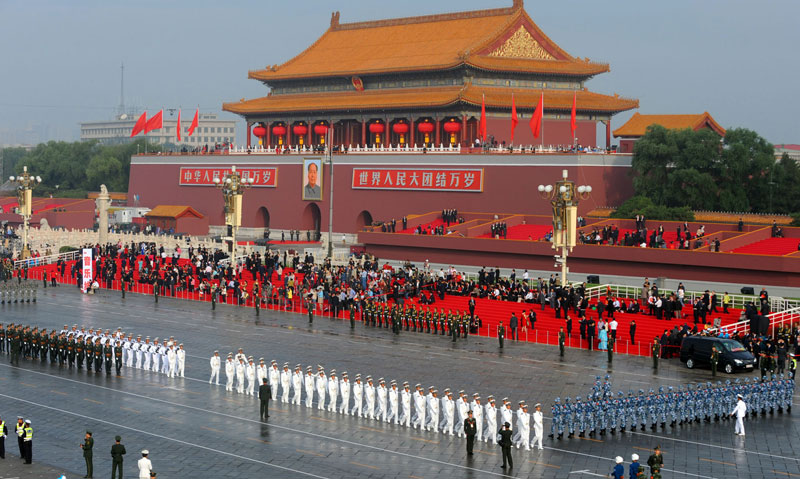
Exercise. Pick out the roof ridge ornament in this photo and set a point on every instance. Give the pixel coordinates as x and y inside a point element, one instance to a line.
<point>335,20</point>
<point>518,4</point>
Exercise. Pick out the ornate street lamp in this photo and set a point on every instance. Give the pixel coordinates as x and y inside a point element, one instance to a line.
<point>232,186</point>
<point>24,185</point>
<point>564,197</point>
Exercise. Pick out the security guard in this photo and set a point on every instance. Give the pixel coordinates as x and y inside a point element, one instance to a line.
<point>501,333</point>
<point>561,339</point>
<point>27,442</point>
<point>610,350</point>
<point>655,349</point>
<point>3,434</point>
<point>714,360</point>
<point>87,446</point>
<point>19,430</point>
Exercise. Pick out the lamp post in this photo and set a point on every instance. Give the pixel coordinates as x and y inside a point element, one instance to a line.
<point>232,186</point>
<point>564,197</point>
<point>24,185</point>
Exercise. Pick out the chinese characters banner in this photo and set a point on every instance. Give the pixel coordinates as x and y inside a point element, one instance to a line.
<point>87,270</point>
<point>204,176</point>
<point>419,179</point>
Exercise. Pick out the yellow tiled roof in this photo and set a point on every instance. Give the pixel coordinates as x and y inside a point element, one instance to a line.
<point>638,123</point>
<point>431,42</point>
<point>173,211</point>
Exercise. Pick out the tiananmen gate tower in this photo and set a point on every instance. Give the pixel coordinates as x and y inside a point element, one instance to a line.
<point>423,80</point>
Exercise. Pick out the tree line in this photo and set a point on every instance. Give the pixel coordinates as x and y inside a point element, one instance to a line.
<point>676,171</point>
<point>71,169</point>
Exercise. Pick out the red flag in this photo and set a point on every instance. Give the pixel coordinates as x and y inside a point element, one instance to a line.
<point>573,124</point>
<point>514,119</point>
<point>194,123</point>
<point>140,124</point>
<point>482,126</point>
<point>178,129</point>
<point>154,123</point>
<point>536,119</point>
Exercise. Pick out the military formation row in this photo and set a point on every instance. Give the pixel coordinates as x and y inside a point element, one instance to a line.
<point>602,411</point>
<point>72,347</point>
<point>376,400</point>
<point>416,319</point>
<point>18,291</point>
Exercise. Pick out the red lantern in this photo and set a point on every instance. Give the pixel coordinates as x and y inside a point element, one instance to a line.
<point>400,128</point>
<point>452,127</point>
<point>279,130</point>
<point>300,129</point>
<point>376,128</point>
<point>425,127</point>
<point>260,131</point>
<point>320,129</point>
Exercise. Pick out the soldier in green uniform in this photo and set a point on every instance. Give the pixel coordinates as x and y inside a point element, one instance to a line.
<point>44,345</point>
<point>434,321</point>
<point>117,451</point>
<point>714,360</point>
<point>352,309</point>
<point>89,354</point>
<point>387,318</point>
<point>53,347</point>
<point>87,446</point>
<point>98,356</point>
<point>108,352</point>
<point>610,349</point>
<point>310,307</point>
<point>562,336</point>
<point>655,349</point>
<point>464,324</point>
<point>501,334</point>
<point>118,356</point>
<point>656,461</point>
<point>453,325</point>
<point>71,351</point>
<point>365,313</point>
<point>79,354</point>
<point>16,348</point>
<point>62,349</point>
<point>2,338</point>
<point>35,343</point>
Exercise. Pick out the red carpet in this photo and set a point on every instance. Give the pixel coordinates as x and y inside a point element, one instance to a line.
<point>525,232</point>
<point>770,246</point>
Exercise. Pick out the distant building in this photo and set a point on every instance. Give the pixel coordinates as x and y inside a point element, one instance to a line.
<point>636,127</point>
<point>210,130</point>
<point>792,150</point>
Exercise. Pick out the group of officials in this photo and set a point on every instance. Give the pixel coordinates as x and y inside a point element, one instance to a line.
<point>388,401</point>
<point>97,348</point>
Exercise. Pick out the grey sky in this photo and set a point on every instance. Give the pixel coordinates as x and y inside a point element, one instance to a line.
<point>60,59</point>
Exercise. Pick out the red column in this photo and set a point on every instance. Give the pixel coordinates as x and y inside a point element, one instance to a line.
<point>464,130</point>
<point>309,140</point>
<point>608,133</point>
<point>248,133</point>
<point>386,132</point>
<point>269,135</point>
<point>347,132</point>
<point>363,133</point>
<point>411,132</point>
<point>437,139</point>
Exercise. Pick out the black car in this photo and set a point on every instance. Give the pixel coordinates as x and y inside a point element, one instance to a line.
<point>696,351</point>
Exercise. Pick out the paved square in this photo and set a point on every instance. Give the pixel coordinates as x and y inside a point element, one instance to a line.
<point>191,427</point>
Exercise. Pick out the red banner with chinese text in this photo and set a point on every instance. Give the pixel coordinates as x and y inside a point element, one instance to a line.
<point>418,179</point>
<point>204,176</point>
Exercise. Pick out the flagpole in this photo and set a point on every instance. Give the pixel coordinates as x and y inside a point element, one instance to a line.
<point>541,104</point>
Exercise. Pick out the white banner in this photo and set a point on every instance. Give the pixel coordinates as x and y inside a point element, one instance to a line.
<point>87,269</point>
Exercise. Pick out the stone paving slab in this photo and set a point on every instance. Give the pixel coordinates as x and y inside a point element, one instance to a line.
<point>190,426</point>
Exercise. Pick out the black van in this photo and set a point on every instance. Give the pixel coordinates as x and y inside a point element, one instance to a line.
<point>696,351</point>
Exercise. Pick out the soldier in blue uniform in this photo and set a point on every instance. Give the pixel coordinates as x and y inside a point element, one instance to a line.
<point>640,411</point>
<point>661,407</point>
<point>580,416</point>
<point>672,406</point>
<point>623,411</point>
<point>569,418</point>
<point>607,394</point>
<point>555,410</point>
<point>614,414</point>
<point>590,417</point>
<point>601,416</point>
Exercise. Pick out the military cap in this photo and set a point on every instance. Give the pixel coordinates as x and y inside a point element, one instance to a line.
<point>148,337</point>
<point>180,344</point>
<point>475,395</point>
<point>537,404</point>
<point>88,432</point>
<point>296,365</point>
<point>286,365</point>
<point>216,351</point>
<point>405,383</point>
<point>505,399</point>
<point>145,452</point>
<point>461,391</point>
<point>117,438</point>
<point>333,371</point>
<point>393,382</point>
<point>308,368</point>
<point>418,385</point>
<point>27,421</point>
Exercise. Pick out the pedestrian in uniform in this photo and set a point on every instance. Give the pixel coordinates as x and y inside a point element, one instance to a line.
<point>3,434</point>
<point>656,461</point>
<point>714,360</point>
<point>561,339</point>
<point>501,334</point>
<point>611,342</point>
<point>470,429</point>
<point>655,348</point>
<point>19,430</point>
<point>145,466</point>
<point>264,395</point>
<point>87,446</point>
<point>740,411</point>
<point>117,451</point>
<point>505,445</point>
<point>27,442</point>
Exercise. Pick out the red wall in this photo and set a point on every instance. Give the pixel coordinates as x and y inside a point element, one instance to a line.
<point>555,132</point>
<point>507,190</point>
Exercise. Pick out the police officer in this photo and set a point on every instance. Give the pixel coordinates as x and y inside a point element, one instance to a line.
<point>714,360</point>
